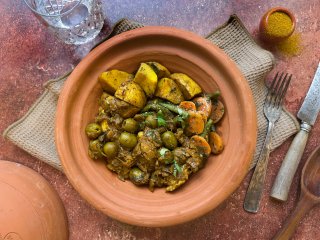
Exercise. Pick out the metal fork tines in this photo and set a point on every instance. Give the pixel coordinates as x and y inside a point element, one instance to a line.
<point>272,110</point>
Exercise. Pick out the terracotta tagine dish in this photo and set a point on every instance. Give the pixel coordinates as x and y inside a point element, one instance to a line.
<point>30,208</point>
<point>180,51</point>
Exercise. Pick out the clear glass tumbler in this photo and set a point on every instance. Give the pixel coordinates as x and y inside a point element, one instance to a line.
<point>73,21</point>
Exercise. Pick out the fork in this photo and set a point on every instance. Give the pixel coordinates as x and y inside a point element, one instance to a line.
<point>272,110</point>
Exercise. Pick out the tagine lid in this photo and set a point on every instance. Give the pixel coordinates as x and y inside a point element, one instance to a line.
<point>30,208</point>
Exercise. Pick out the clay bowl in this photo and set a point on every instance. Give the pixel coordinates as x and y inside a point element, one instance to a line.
<point>30,209</point>
<point>180,51</point>
<point>264,24</point>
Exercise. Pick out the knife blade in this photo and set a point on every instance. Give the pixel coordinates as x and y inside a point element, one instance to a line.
<point>307,113</point>
<point>311,105</point>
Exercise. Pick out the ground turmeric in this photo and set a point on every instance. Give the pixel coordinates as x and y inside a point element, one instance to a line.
<point>290,46</point>
<point>279,25</point>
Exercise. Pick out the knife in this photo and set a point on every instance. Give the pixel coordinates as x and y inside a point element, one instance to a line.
<point>307,114</point>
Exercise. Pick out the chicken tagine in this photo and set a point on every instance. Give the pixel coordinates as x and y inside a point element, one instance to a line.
<point>154,128</point>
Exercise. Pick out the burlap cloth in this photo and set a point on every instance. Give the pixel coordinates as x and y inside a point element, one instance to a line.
<point>35,131</point>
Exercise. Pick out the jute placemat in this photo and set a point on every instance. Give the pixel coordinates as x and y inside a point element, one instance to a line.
<point>35,131</point>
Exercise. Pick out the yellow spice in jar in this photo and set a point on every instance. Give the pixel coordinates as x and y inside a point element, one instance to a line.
<point>279,24</point>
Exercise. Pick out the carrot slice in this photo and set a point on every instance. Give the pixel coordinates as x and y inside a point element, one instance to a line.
<point>201,144</point>
<point>215,142</point>
<point>195,123</point>
<point>203,104</point>
<point>217,111</point>
<point>187,105</point>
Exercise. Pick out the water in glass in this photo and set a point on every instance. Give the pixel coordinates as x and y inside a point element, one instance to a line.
<point>75,22</point>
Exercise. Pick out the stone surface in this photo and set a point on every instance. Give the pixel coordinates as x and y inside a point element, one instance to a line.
<point>30,55</point>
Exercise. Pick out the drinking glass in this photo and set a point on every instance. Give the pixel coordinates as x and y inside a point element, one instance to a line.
<point>73,21</point>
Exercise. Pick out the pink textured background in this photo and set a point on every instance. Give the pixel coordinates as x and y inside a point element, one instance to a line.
<point>30,55</point>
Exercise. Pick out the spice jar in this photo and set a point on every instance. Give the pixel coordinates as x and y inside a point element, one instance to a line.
<point>277,24</point>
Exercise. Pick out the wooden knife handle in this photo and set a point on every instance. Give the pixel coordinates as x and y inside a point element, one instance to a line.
<point>289,166</point>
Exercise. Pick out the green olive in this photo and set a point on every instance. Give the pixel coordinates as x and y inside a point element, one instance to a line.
<point>138,177</point>
<point>95,149</point>
<point>128,140</point>
<point>169,140</point>
<point>151,121</point>
<point>93,130</point>
<point>130,125</point>
<point>95,145</point>
<point>110,149</point>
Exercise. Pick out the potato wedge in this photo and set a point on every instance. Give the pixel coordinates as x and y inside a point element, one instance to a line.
<point>188,87</point>
<point>169,90</point>
<point>115,105</point>
<point>147,79</point>
<point>159,69</point>
<point>132,93</point>
<point>111,80</point>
